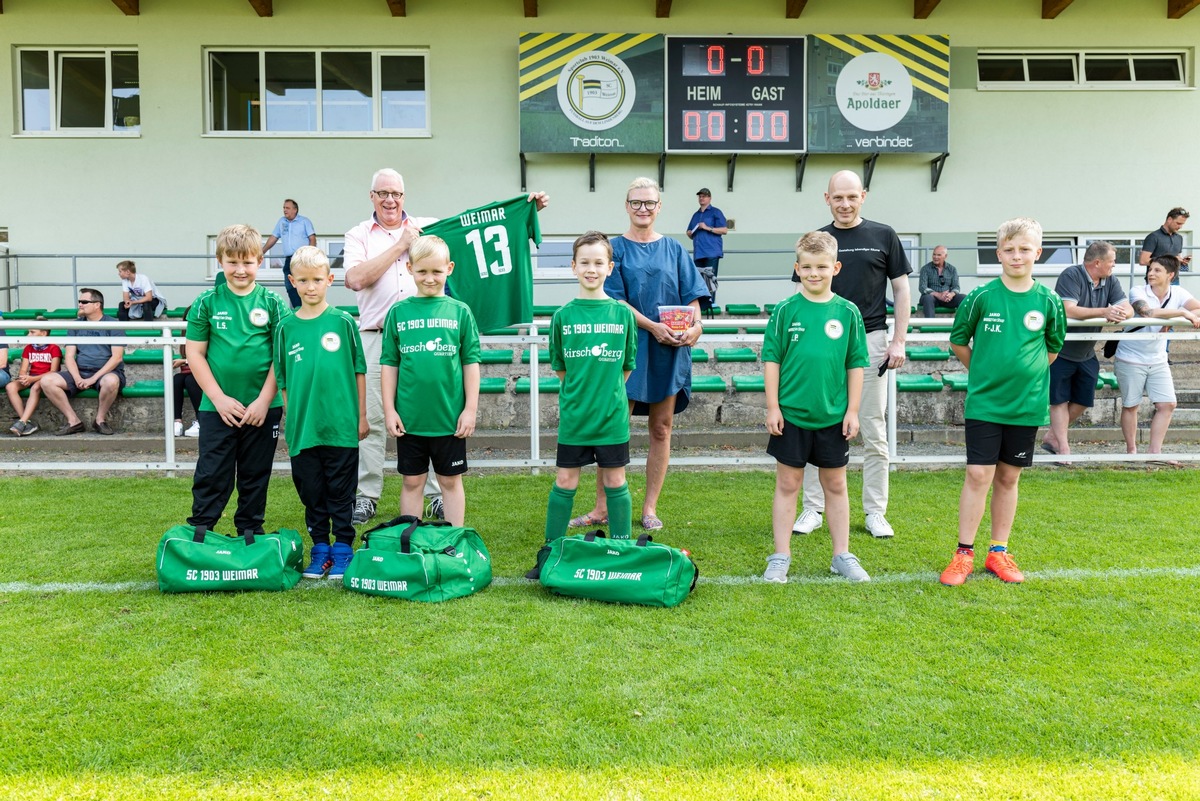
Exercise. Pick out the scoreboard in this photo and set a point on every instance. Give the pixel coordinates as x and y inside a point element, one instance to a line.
<point>735,94</point>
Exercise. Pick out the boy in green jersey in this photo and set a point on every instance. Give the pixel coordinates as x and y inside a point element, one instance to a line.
<point>322,373</point>
<point>814,353</point>
<point>430,377</point>
<point>1006,333</point>
<point>593,349</point>
<point>230,348</point>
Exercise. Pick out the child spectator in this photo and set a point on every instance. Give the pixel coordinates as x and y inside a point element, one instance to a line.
<point>5,376</point>
<point>37,360</point>
<point>185,381</point>
<point>814,353</point>
<point>593,349</point>
<point>101,367</point>
<point>430,372</point>
<point>1006,333</point>
<point>230,348</point>
<point>322,373</point>
<point>139,296</point>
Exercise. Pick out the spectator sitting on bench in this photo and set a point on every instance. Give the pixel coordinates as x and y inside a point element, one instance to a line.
<point>938,284</point>
<point>182,382</point>
<point>139,295</point>
<point>88,366</point>
<point>37,361</point>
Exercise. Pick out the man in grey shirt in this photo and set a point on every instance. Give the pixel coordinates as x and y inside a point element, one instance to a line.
<point>1166,241</point>
<point>938,284</point>
<point>1088,291</point>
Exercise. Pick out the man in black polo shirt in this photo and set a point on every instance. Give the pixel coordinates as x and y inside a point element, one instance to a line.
<point>871,257</point>
<point>1166,241</point>
<point>1087,290</point>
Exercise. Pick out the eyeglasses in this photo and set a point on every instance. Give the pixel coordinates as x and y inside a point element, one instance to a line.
<point>648,205</point>
<point>383,194</point>
<point>85,302</point>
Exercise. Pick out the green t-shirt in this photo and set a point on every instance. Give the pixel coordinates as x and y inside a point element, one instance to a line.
<point>595,342</point>
<point>316,362</point>
<point>1010,334</point>
<point>814,345</point>
<point>240,332</point>
<point>429,340</point>
<point>493,273</point>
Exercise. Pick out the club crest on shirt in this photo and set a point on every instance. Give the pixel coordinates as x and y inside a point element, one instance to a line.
<point>833,329</point>
<point>1035,320</point>
<point>259,317</point>
<point>331,342</point>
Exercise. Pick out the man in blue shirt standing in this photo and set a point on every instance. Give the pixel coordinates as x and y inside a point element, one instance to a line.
<point>705,230</point>
<point>294,232</point>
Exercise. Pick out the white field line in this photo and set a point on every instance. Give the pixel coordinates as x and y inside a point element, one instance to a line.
<point>1067,574</point>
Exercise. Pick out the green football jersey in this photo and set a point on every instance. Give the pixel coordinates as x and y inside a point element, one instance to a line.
<point>595,342</point>
<point>493,273</point>
<point>429,340</point>
<point>1010,334</point>
<point>814,345</point>
<point>316,363</point>
<point>240,332</point>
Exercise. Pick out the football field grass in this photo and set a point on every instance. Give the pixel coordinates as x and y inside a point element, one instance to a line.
<point>1082,683</point>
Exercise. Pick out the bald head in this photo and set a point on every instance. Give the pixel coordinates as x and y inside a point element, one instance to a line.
<point>845,198</point>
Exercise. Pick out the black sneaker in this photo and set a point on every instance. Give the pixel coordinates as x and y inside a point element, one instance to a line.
<point>435,510</point>
<point>364,510</point>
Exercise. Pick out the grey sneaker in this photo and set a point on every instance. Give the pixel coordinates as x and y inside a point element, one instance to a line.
<point>808,522</point>
<point>434,510</point>
<point>364,510</point>
<point>28,427</point>
<point>846,564</point>
<point>879,527</point>
<point>777,568</point>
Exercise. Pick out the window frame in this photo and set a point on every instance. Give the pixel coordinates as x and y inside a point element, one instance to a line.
<point>1079,59</point>
<point>55,56</point>
<point>377,131</point>
<point>1075,243</point>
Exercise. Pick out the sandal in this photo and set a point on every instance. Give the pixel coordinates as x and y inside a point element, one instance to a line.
<point>587,521</point>
<point>651,522</point>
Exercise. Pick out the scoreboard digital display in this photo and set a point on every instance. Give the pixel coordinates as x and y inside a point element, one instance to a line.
<point>735,94</point>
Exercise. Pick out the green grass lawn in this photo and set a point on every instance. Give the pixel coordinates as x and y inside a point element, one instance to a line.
<point>1081,683</point>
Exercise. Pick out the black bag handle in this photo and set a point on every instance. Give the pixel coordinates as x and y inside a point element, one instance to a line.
<point>248,534</point>
<point>696,577</point>
<point>591,535</point>
<point>201,530</point>
<point>642,540</point>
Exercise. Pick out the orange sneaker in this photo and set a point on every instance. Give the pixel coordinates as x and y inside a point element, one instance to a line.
<point>960,567</point>
<point>1001,564</point>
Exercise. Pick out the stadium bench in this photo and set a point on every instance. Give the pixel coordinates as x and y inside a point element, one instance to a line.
<point>351,310</point>
<point>917,353</point>
<point>756,329</point>
<point>503,332</point>
<point>749,383</point>
<point>494,385</point>
<point>722,329</point>
<point>145,356</point>
<point>743,310</point>
<point>60,314</point>
<point>550,385</point>
<point>699,356</point>
<point>545,311</point>
<point>917,383</point>
<point>24,314</point>
<point>735,355</point>
<point>957,382</point>
<point>938,328</point>
<point>1106,379</point>
<point>496,356</point>
<point>708,383</point>
<point>143,389</point>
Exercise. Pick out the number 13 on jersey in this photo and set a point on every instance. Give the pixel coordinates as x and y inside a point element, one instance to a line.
<point>489,243</point>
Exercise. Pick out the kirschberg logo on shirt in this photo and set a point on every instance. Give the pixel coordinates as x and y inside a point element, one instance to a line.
<point>259,317</point>
<point>833,329</point>
<point>331,342</point>
<point>1035,321</point>
<point>435,347</point>
<point>601,353</point>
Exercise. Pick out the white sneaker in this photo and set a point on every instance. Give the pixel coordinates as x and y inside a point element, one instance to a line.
<point>178,429</point>
<point>879,527</point>
<point>846,564</point>
<point>777,568</point>
<point>808,522</point>
<point>193,429</point>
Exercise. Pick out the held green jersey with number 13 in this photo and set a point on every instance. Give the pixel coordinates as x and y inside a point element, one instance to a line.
<point>493,273</point>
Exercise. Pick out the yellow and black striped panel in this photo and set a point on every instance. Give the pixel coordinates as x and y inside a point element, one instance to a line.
<point>927,58</point>
<point>542,55</point>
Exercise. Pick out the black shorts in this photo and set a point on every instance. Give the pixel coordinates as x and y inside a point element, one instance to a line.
<point>988,443</point>
<point>583,455</point>
<point>414,453</point>
<point>1074,382</point>
<point>73,390</point>
<point>822,447</point>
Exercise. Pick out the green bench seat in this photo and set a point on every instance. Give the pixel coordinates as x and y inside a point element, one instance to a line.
<point>743,310</point>
<point>503,332</point>
<point>145,356</point>
<point>144,389</point>
<point>494,385</point>
<point>495,356</point>
<point>545,311</point>
<point>699,356</point>
<point>722,329</point>
<point>936,328</point>
<point>708,383</point>
<point>749,383</point>
<point>918,353</point>
<point>756,329</point>
<point>176,313</point>
<point>735,355</point>
<point>351,310</point>
<point>917,383</point>
<point>24,314</point>
<point>60,314</point>
<point>550,385</point>
<point>957,382</point>
<point>1108,379</point>
<point>543,356</point>
<point>769,307</point>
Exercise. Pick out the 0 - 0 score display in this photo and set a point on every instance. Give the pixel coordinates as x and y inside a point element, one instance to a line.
<point>735,94</point>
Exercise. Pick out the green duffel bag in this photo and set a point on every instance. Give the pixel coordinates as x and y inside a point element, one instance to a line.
<point>637,571</point>
<point>419,560</point>
<point>198,560</point>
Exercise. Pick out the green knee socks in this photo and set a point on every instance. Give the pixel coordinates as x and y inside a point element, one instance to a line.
<point>620,512</point>
<point>558,512</point>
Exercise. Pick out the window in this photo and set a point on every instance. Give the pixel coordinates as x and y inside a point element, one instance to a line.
<point>332,92</point>
<point>1063,251</point>
<point>271,271</point>
<point>79,91</point>
<point>1081,70</point>
<point>552,259</point>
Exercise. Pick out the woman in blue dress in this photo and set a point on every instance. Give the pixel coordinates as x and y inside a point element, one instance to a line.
<point>651,271</point>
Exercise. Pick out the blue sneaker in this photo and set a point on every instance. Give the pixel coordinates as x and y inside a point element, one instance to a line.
<point>320,559</point>
<point>342,554</point>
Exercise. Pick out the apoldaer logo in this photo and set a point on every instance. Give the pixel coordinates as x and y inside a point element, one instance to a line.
<point>833,329</point>
<point>596,90</point>
<point>331,342</point>
<point>874,91</point>
<point>1035,320</point>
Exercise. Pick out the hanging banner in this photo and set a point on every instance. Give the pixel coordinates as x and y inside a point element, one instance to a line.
<point>591,92</point>
<point>878,94</point>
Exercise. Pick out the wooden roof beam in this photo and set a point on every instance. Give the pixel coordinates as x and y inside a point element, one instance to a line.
<point>128,7</point>
<point>794,8</point>
<point>1052,8</point>
<point>397,7</point>
<point>1177,8</point>
<point>662,8</point>
<point>530,8</point>
<point>262,7</point>
<point>923,8</point>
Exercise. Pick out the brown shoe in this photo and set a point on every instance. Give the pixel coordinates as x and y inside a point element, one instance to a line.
<point>102,428</point>
<point>78,428</point>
